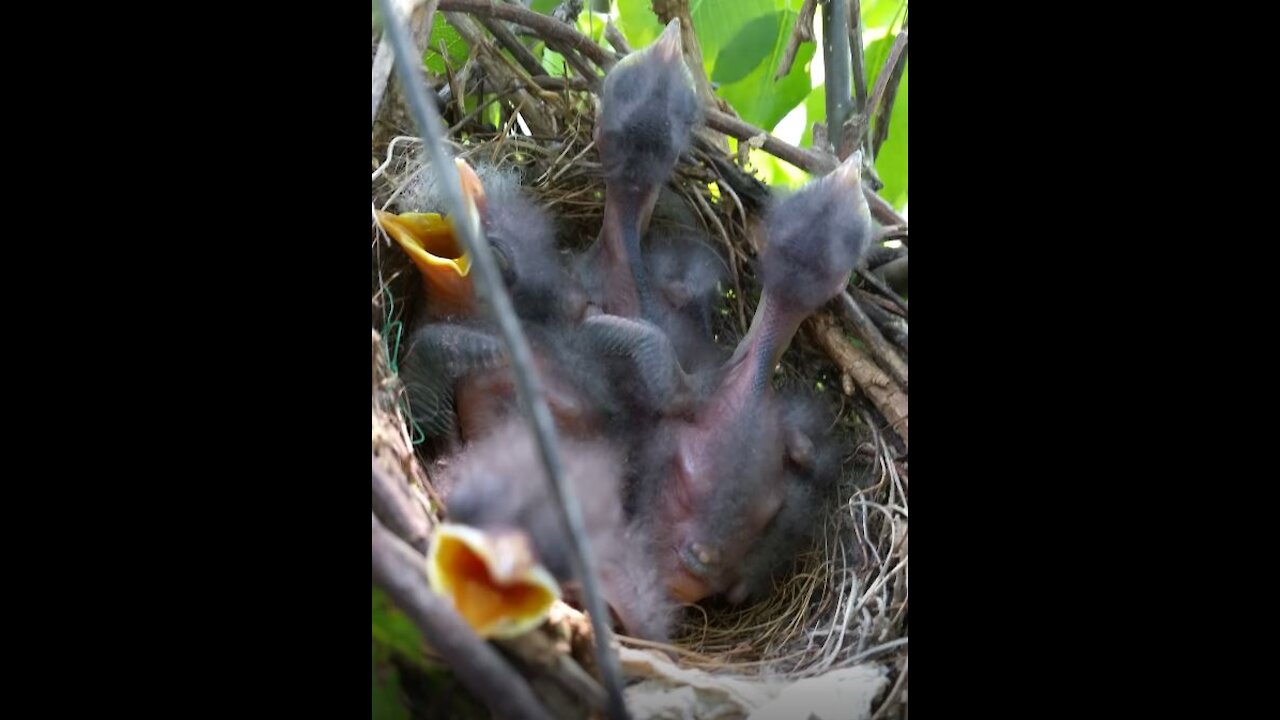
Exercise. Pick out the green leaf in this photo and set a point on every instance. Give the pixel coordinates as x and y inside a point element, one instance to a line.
<point>637,22</point>
<point>878,14</point>
<point>554,63</point>
<point>454,46</point>
<point>891,163</point>
<point>816,112</point>
<point>387,703</point>
<point>544,6</point>
<point>396,631</point>
<point>762,101</point>
<point>747,49</point>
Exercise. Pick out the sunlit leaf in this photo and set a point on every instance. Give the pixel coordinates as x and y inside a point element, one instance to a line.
<point>747,49</point>
<point>454,46</point>
<point>891,163</point>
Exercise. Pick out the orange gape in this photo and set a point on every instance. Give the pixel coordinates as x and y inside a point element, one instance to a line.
<point>428,240</point>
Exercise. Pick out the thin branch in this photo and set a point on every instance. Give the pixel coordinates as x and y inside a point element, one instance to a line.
<point>890,94</point>
<point>835,60</point>
<point>615,38</point>
<point>870,334</point>
<point>499,70</point>
<point>807,160</point>
<point>810,161</point>
<point>579,65</point>
<point>894,273</point>
<point>874,281</point>
<point>802,32</point>
<point>508,40</point>
<point>882,80</point>
<point>856,52</point>
<point>556,84</point>
<point>392,503</point>
<point>879,388</point>
<point>398,570</point>
<point>528,385</point>
<point>548,28</point>
<point>892,326</point>
<point>867,298</point>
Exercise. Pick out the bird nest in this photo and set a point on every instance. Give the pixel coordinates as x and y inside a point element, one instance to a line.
<point>844,605</point>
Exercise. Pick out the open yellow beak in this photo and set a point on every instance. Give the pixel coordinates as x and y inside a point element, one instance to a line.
<point>492,580</point>
<point>433,246</point>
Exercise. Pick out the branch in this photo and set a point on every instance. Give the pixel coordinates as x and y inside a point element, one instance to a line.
<point>399,570</point>
<point>835,59</point>
<point>879,387</point>
<point>615,38</point>
<point>882,80</point>
<point>810,161</point>
<point>891,93</point>
<point>497,68</point>
<point>392,503</point>
<point>533,403</point>
<point>870,334</point>
<point>874,281</point>
<point>802,32</point>
<point>509,41</point>
<point>548,28</point>
<point>894,273</point>
<point>893,326</point>
<point>807,160</point>
<point>856,51</point>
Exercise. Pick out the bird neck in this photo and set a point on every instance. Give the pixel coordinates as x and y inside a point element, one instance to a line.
<point>772,328</point>
<point>626,211</point>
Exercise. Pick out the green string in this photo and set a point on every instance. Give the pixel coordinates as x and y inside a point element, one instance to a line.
<point>390,327</point>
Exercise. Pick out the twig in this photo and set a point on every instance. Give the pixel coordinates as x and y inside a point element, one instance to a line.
<point>891,94</point>
<point>537,650</point>
<point>870,334</point>
<point>878,386</point>
<point>878,255</point>
<point>807,160</point>
<point>528,386</point>
<point>835,59</point>
<point>856,53</point>
<point>884,303</point>
<point>894,273</point>
<point>399,571</point>
<point>615,38</point>
<point>810,161</point>
<point>874,281</point>
<point>548,28</point>
<point>802,32</point>
<point>556,84</point>
<point>579,65</point>
<point>498,69</point>
<point>512,43</point>
<point>893,326</point>
<point>392,503</point>
<point>882,80</point>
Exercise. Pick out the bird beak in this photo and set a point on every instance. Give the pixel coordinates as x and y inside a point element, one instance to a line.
<point>492,579</point>
<point>432,244</point>
<point>667,46</point>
